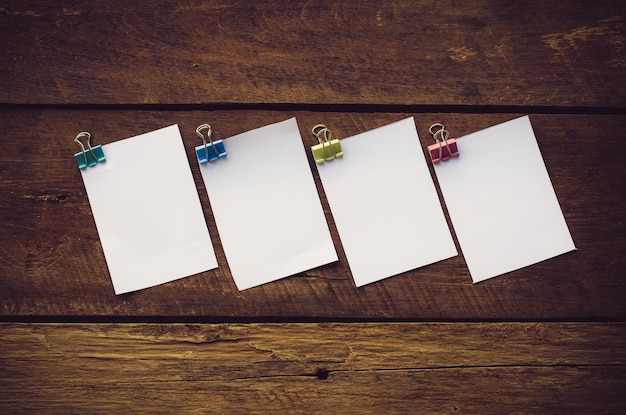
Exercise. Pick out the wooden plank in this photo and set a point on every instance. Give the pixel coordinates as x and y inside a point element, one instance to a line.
<point>314,368</point>
<point>52,264</point>
<point>476,52</point>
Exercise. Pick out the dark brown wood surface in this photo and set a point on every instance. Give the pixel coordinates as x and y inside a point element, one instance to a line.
<point>119,69</point>
<point>53,264</point>
<point>557,53</point>
<point>374,368</point>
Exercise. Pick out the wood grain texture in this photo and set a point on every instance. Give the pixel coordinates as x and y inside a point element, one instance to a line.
<point>52,264</point>
<point>314,368</point>
<point>479,52</point>
<point>119,69</point>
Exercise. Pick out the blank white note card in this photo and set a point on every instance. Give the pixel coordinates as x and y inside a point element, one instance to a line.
<point>266,206</point>
<point>385,205</point>
<point>501,201</point>
<point>147,211</point>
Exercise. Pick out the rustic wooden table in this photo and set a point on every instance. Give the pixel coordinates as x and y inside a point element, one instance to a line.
<point>549,338</point>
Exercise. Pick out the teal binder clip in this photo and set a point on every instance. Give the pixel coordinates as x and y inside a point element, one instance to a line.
<point>211,151</point>
<point>88,157</point>
<point>327,148</point>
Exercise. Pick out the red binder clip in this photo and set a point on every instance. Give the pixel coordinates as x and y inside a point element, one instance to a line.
<point>445,148</point>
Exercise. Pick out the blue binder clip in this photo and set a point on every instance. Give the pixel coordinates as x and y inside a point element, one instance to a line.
<point>88,157</point>
<point>211,151</point>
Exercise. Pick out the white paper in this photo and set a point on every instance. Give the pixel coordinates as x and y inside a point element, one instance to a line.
<point>147,211</point>
<point>501,201</point>
<point>268,213</point>
<point>385,205</point>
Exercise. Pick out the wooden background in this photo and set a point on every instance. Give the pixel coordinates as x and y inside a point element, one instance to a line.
<point>549,338</point>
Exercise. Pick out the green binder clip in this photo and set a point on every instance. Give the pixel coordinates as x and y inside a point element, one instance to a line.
<point>327,148</point>
<point>88,157</point>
